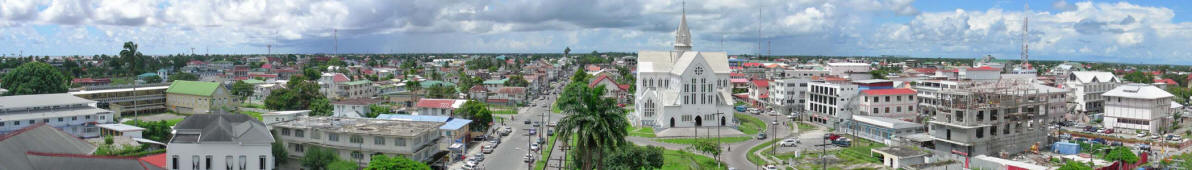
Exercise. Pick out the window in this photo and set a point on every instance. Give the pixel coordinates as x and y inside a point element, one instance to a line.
<point>208,163</point>
<point>980,115</point>
<point>959,116</point>
<point>174,162</point>
<point>243,162</point>
<point>980,132</point>
<point>356,139</point>
<point>261,161</point>
<point>399,141</point>
<point>875,110</point>
<point>379,140</point>
<point>993,130</point>
<point>45,120</point>
<point>993,114</point>
<point>228,161</point>
<point>299,133</point>
<point>74,118</point>
<point>15,123</point>
<point>887,98</point>
<point>285,131</point>
<point>357,155</point>
<point>194,162</point>
<point>315,134</point>
<point>60,119</point>
<point>332,137</point>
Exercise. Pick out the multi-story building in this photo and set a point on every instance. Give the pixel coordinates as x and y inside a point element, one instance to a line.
<point>358,139</point>
<point>197,97</point>
<point>967,118</point>
<point>1087,87</point>
<point>455,132</point>
<point>881,129</point>
<point>889,103</point>
<point>128,101</point>
<point>438,107</point>
<point>830,103</point>
<point>843,69</point>
<point>220,141</point>
<point>260,92</point>
<point>1138,107</point>
<point>681,87</point>
<point>329,84</point>
<point>71,114</point>
<point>759,93</point>
<point>786,95</point>
<point>356,89</point>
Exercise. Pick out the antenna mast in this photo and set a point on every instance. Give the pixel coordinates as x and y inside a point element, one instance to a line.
<point>1025,29</point>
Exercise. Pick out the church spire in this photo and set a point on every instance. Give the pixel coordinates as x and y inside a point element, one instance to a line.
<point>682,35</point>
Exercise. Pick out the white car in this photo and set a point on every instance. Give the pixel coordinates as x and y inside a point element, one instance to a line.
<point>1141,135</point>
<point>534,146</point>
<point>789,142</point>
<point>771,167</point>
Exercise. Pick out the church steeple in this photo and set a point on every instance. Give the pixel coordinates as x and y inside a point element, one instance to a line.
<point>682,35</point>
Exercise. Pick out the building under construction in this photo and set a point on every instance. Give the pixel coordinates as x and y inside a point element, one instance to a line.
<point>998,117</point>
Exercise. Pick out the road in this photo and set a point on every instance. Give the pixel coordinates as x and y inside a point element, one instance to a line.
<point>509,153</point>
<point>736,155</point>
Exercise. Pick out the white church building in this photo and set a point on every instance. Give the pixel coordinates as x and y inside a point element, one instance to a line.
<point>681,87</point>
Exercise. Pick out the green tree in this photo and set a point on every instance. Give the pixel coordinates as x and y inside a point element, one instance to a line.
<point>382,162</point>
<point>375,110</point>
<point>342,165</point>
<point>517,81</point>
<point>635,157</point>
<point>708,147</point>
<point>312,73</point>
<point>132,59</point>
<point>1074,165</point>
<point>184,76</point>
<point>35,78</point>
<point>597,124</point>
<point>280,154</point>
<point>1122,154</point>
<point>320,107</point>
<point>1139,77</point>
<point>414,85</point>
<point>479,114</point>
<point>318,158</point>
<point>242,89</point>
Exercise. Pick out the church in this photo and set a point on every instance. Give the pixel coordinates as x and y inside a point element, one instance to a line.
<point>682,88</point>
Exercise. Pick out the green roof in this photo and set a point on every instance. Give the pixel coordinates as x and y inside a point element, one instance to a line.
<point>253,81</point>
<point>198,88</point>
<point>428,84</point>
<point>358,82</point>
<point>501,81</point>
<point>148,75</point>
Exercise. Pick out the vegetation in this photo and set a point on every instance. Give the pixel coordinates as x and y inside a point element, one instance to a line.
<point>635,157</point>
<point>479,114</point>
<point>155,130</point>
<point>251,114</point>
<point>342,165</point>
<point>152,79</point>
<point>517,81</point>
<point>280,153</point>
<point>241,90</point>
<point>318,158</point>
<point>691,141</point>
<point>673,159</point>
<point>1123,154</point>
<point>184,76</point>
<point>707,147</point>
<point>749,124</point>
<point>1074,165</point>
<point>598,124</point>
<point>1138,77</point>
<point>382,162</point>
<point>644,131</point>
<point>375,110</point>
<point>299,94</point>
<point>35,78</point>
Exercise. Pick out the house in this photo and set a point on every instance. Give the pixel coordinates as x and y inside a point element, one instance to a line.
<point>493,85</point>
<point>438,107</point>
<point>1087,89</point>
<point>620,92</point>
<point>900,157</point>
<point>759,93</point>
<point>329,84</point>
<point>220,140</point>
<point>117,129</point>
<point>356,89</point>
<point>71,114</point>
<point>508,96</point>
<point>198,97</point>
<point>478,92</point>
<point>358,107</point>
<point>357,139</point>
<point>889,103</point>
<point>1138,107</point>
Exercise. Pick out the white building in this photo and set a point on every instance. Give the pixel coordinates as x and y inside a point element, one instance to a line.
<point>842,69</point>
<point>220,141</point>
<point>889,103</point>
<point>358,139</point>
<point>438,107</point>
<point>681,87</point>
<point>1087,89</point>
<point>1137,107</point>
<point>262,91</point>
<point>282,116</point>
<point>786,95</point>
<point>358,107</point>
<point>71,114</point>
<point>830,104</point>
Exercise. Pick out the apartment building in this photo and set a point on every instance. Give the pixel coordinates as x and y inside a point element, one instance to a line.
<point>1087,87</point>
<point>66,112</point>
<point>889,103</point>
<point>358,139</point>
<point>830,103</point>
<point>128,101</point>
<point>438,107</point>
<point>1138,107</point>
<point>358,107</point>
<point>786,95</point>
<point>356,89</point>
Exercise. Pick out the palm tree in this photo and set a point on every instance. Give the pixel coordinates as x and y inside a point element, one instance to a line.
<point>596,123</point>
<point>131,57</point>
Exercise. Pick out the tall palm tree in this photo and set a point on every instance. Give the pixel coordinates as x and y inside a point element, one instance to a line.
<point>131,57</point>
<point>597,124</point>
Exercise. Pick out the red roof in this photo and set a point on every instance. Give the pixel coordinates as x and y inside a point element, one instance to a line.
<point>158,160</point>
<point>623,86</point>
<point>340,77</point>
<point>736,74</point>
<point>241,78</point>
<point>752,64</point>
<point>882,92</point>
<point>266,66</point>
<point>735,68</point>
<point>761,83</point>
<point>195,62</point>
<point>1166,81</point>
<point>593,68</point>
<point>764,96</point>
<point>435,103</point>
<point>983,68</point>
<point>924,70</point>
<point>478,88</point>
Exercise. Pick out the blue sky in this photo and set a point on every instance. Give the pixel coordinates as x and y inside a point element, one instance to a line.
<point>1112,31</point>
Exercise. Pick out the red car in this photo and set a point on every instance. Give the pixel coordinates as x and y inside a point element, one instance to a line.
<point>1108,131</point>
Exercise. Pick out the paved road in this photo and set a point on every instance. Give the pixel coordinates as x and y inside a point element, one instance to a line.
<point>509,153</point>
<point>736,155</point>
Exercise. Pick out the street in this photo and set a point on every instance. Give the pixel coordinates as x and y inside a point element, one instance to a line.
<point>509,154</point>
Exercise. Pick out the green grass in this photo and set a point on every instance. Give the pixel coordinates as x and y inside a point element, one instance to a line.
<point>250,105</point>
<point>170,122</point>
<point>749,125</point>
<point>753,158</point>
<point>546,151</point>
<point>675,160</point>
<point>688,141</point>
<point>252,113</point>
<point>641,132</point>
<point>121,80</point>
<point>805,127</point>
<point>554,108</point>
<point>504,111</point>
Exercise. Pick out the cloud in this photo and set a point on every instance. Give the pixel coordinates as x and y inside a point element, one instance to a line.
<point>1062,5</point>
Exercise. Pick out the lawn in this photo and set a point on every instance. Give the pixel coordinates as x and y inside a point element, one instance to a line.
<point>546,151</point>
<point>749,125</point>
<point>121,80</point>
<point>688,141</point>
<point>554,108</point>
<point>805,127</point>
<point>170,122</point>
<point>753,158</point>
<point>250,105</point>
<point>644,131</point>
<point>252,113</point>
<point>504,111</point>
<point>673,159</point>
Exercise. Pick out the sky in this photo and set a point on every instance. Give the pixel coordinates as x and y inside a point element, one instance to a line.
<point>1151,32</point>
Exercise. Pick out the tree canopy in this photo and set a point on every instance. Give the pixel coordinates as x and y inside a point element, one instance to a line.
<point>241,89</point>
<point>299,94</point>
<point>1122,154</point>
<point>375,110</point>
<point>1139,77</point>
<point>596,122</point>
<point>517,81</point>
<point>382,162</point>
<point>479,114</point>
<point>318,158</point>
<point>1074,165</point>
<point>635,157</point>
<point>184,76</point>
<point>35,78</point>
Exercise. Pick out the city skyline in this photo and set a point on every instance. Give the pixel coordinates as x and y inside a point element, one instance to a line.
<point>1108,31</point>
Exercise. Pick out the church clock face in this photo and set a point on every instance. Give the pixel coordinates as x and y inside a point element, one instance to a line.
<point>699,70</point>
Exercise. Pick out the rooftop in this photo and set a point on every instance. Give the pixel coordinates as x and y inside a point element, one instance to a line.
<point>121,127</point>
<point>358,101</point>
<point>197,88</point>
<point>900,151</point>
<point>119,90</point>
<point>219,127</point>
<point>885,122</point>
<point>1138,91</point>
<point>364,125</point>
<point>38,100</point>
<point>14,146</point>
<point>882,92</point>
<point>440,103</point>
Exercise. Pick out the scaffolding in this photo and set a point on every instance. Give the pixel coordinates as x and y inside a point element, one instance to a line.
<point>1011,105</point>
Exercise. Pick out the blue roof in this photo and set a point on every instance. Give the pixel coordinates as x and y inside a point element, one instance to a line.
<point>450,123</point>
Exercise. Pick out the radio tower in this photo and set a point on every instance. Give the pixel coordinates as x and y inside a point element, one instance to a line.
<point>1026,62</point>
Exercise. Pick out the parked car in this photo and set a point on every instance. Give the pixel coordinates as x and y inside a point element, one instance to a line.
<point>774,123</point>
<point>534,147</point>
<point>533,132</point>
<point>478,157</point>
<point>488,149</point>
<point>1141,135</point>
<point>528,158</point>
<point>842,142</point>
<point>495,141</point>
<point>550,132</point>
<point>771,167</point>
<point>790,142</point>
<point>526,122</point>
<point>470,165</point>
<point>1108,131</point>
<point>761,136</point>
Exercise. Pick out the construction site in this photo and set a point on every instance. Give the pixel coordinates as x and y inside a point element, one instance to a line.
<point>1002,117</point>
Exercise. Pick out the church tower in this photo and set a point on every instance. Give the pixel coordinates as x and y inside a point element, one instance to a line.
<point>682,35</point>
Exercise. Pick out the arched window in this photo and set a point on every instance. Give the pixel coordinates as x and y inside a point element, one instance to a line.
<point>648,111</point>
